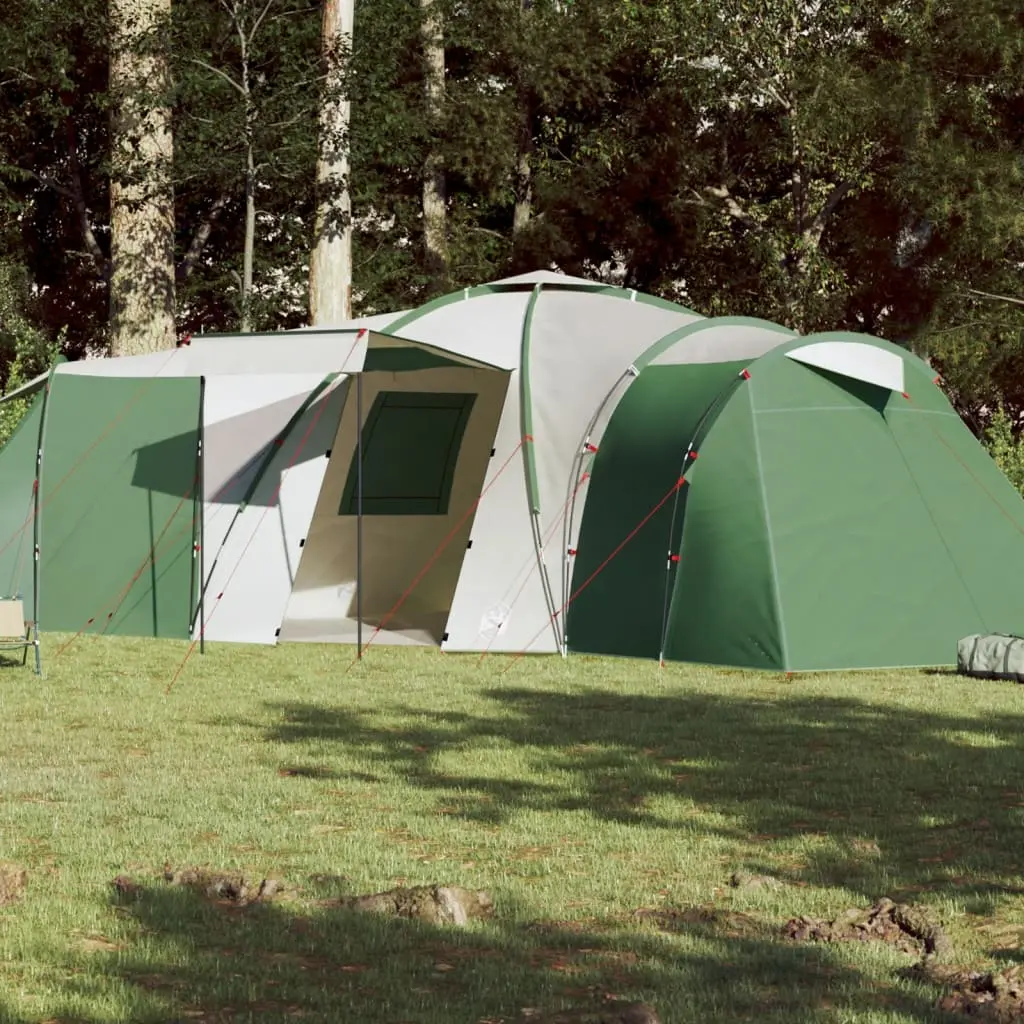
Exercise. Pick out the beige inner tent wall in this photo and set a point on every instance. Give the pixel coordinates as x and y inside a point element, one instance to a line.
<point>395,547</point>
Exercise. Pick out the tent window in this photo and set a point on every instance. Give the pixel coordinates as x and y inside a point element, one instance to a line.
<point>411,444</point>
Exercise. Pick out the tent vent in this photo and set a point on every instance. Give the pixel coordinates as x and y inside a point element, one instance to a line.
<point>444,638</point>
<point>277,632</point>
<point>302,543</point>
<point>469,545</point>
<point>493,452</point>
<point>327,454</point>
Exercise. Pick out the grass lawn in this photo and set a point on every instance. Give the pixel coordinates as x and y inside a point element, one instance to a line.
<point>575,793</point>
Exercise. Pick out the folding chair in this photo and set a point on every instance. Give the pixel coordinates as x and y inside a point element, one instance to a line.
<point>15,633</point>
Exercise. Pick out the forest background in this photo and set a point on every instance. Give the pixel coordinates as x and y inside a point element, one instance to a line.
<point>820,163</point>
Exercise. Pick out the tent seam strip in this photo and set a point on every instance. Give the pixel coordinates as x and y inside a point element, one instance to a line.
<point>768,528</point>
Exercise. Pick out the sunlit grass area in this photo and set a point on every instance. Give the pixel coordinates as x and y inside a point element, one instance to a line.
<point>575,793</point>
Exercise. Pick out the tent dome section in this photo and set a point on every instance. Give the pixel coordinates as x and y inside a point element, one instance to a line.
<point>569,344</point>
<point>616,580</point>
<point>840,515</point>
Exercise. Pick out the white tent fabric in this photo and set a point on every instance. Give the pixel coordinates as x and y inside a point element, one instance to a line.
<point>568,341</point>
<point>236,355</point>
<point>541,352</point>
<point>853,359</point>
<point>718,340</point>
<point>395,548</point>
<point>254,549</point>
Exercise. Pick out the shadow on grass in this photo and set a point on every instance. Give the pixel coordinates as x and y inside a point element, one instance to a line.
<point>15,659</point>
<point>892,800</point>
<point>194,960</point>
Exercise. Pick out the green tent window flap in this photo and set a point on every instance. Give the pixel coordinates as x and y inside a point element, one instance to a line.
<point>411,443</point>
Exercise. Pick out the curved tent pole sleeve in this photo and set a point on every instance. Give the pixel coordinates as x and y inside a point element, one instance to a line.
<point>526,405</point>
<point>585,452</point>
<point>689,456</point>
<point>530,462</point>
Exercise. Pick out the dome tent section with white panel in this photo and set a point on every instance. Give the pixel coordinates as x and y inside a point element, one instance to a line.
<point>821,504</point>
<point>225,470</point>
<point>570,343</point>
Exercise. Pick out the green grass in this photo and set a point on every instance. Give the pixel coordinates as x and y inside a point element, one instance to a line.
<point>576,793</point>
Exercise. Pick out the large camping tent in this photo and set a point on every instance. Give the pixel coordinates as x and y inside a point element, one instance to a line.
<point>547,464</point>
<point>213,488</point>
<point>807,503</point>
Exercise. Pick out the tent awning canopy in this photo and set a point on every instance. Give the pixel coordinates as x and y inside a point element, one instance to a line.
<point>308,352</point>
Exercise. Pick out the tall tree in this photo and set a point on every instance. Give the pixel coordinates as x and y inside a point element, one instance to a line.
<point>246,97</point>
<point>330,269</point>
<point>243,87</point>
<point>142,299</point>
<point>435,218</point>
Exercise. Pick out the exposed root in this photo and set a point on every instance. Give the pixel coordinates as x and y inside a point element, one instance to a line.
<point>997,996</point>
<point>908,928</point>
<point>434,904</point>
<point>233,889</point>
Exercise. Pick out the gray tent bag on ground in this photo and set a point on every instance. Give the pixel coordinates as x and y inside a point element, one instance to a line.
<point>991,656</point>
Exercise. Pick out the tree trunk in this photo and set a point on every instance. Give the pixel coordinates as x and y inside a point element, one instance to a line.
<point>435,213</point>
<point>524,179</point>
<point>330,268</point>
<point>141,183</point>
<point>523,184</point>
<point>249,244</point>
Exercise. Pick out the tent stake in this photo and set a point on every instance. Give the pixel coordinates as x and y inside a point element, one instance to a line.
<point>359,515</point>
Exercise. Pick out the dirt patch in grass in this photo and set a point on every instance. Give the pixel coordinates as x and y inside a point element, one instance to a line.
<point>233,889</point>
<point>13,880</point>
<point>610,1013</point>
<point>98,944</point>
<point>434,904</point>
<point>910,929</point>
<point>733,923</point>
<point>996,996</point>
<point>745,880</point>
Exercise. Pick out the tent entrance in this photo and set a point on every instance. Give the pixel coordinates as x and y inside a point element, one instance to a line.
<point>427,442</point>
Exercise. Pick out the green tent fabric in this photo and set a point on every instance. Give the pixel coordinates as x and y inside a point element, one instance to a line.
<point>118,543</point>
<point>17,475</point>
<point>548,465</point>
<point>470,411</point>
<point>837,516</point>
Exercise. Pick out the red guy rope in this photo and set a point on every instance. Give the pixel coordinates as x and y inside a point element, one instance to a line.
<point>322,404</point>
<point>533,562</point>
<point>119,600</point>
<point>970,472</point>
<point>80,461</point>
<point>590,579</point>
<point>440,549</point>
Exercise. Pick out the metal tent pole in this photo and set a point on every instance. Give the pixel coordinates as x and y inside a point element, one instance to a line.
<point>200,512</point>
<point>37,529</point>
<point>359,515</point>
